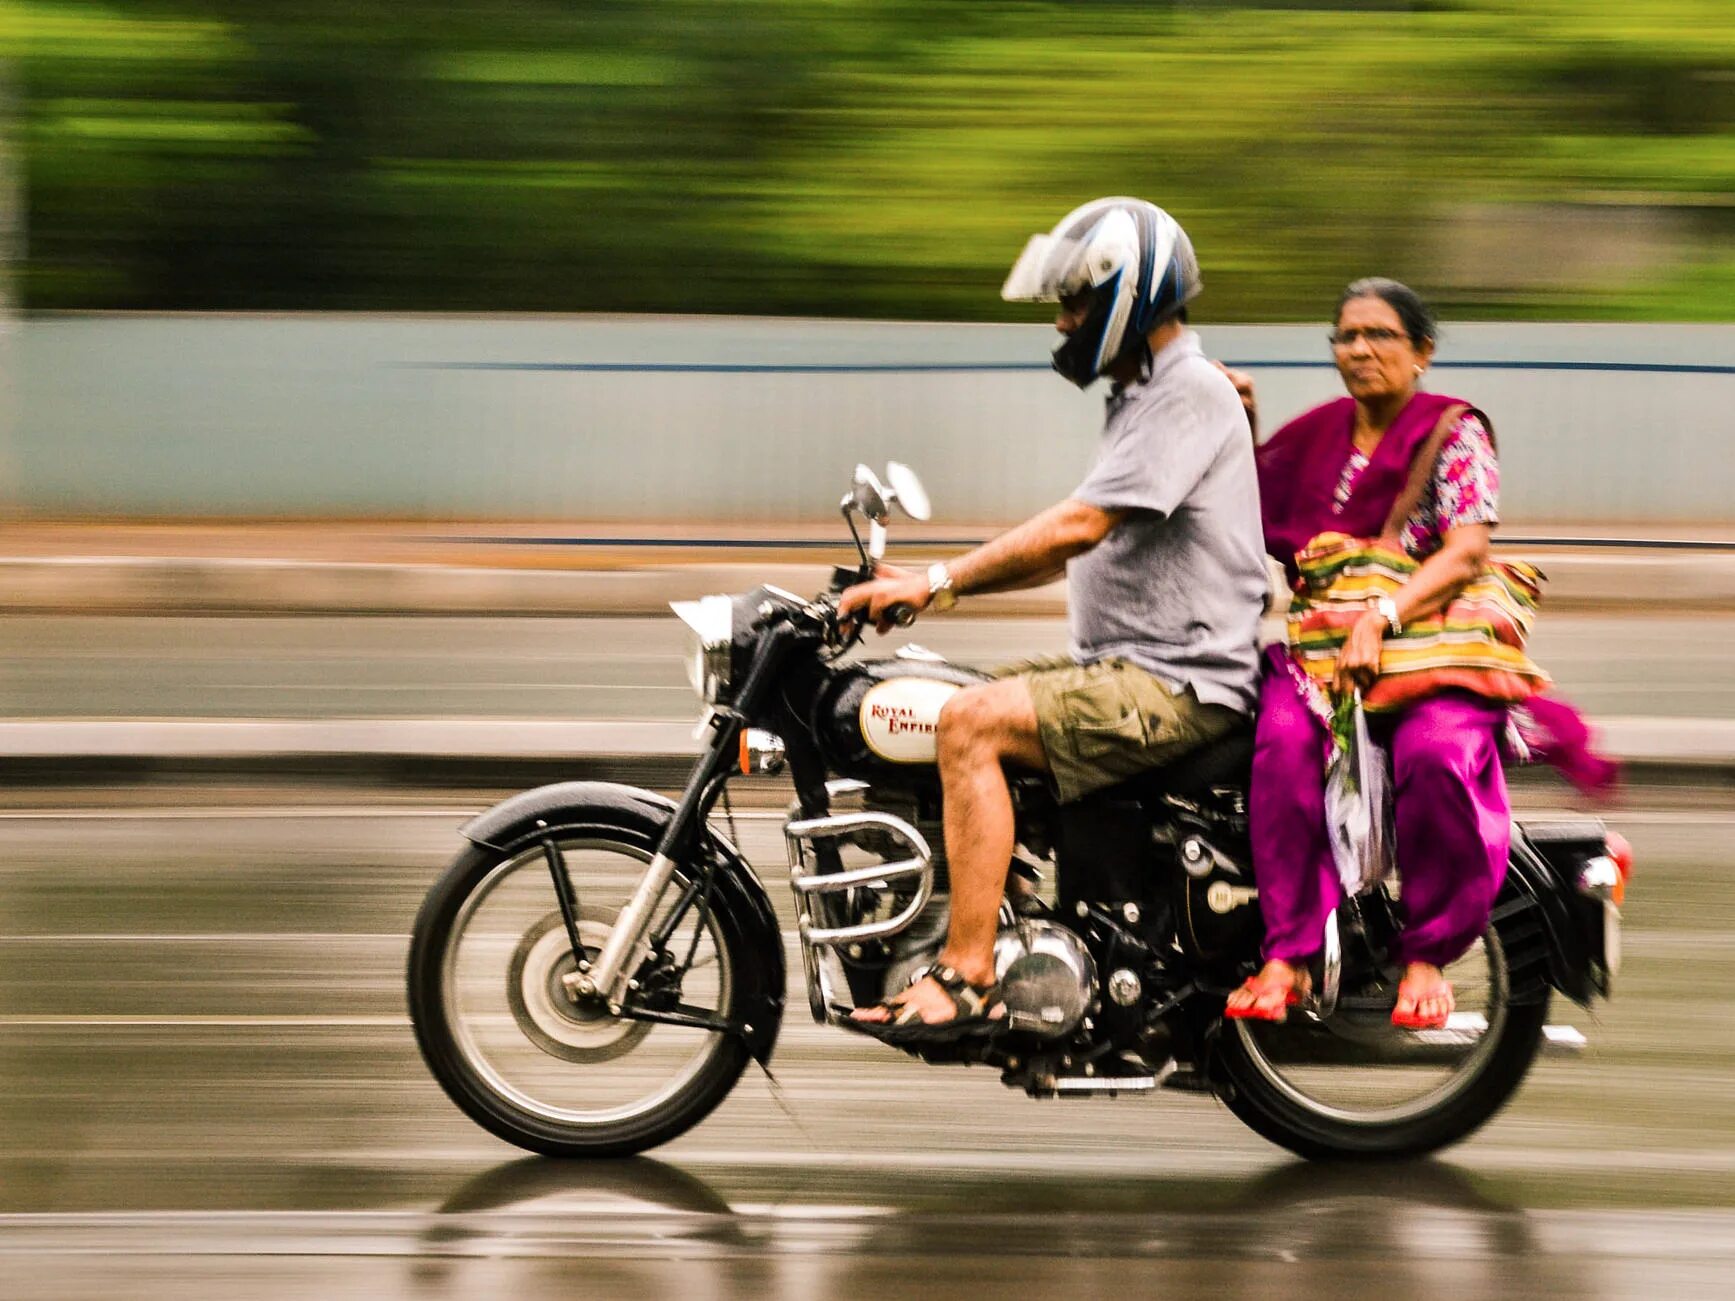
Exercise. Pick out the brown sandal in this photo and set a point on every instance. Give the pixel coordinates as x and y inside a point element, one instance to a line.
<point>976,1010</point>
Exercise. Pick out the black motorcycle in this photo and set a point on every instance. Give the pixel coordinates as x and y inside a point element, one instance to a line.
<point>593,973</point>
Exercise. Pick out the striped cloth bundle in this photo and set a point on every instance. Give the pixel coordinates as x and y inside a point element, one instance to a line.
<point>1475,644</point>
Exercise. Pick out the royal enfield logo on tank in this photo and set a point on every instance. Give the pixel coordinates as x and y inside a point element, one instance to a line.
<point>899,718</point>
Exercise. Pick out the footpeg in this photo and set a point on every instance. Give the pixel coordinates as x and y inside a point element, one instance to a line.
<point>1563,1041</point>
<point>1188,1081</point>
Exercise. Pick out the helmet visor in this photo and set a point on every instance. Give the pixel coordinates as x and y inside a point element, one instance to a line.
<point>1049,268</point>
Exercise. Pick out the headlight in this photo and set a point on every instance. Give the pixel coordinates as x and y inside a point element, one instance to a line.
<point>712,618</point>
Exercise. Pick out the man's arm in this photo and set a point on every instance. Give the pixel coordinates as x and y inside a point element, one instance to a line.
<point>1036,550</point>
<point>1042,579</point>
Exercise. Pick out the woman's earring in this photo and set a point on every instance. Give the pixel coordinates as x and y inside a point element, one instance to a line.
<point>1419,369</point>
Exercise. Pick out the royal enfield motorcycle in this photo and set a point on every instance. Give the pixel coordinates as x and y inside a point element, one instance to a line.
<point>593,973</point>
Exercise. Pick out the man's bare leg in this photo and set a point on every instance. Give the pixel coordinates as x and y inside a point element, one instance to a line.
<point>980,729</point>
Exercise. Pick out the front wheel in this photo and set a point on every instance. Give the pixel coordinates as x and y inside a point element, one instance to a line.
<point>1355,1087</point>
<point>500,1031</point>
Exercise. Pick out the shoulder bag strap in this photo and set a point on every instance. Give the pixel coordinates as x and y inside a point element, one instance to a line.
<point>1421,471</point>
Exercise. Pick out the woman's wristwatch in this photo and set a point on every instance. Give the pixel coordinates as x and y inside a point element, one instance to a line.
<point>941,594</point>
<point>1388,610</point>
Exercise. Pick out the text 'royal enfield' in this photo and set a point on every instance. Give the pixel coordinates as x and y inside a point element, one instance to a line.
<point>595,970</point>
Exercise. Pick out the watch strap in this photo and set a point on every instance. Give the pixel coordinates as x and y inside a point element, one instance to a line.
<point>942,596</point>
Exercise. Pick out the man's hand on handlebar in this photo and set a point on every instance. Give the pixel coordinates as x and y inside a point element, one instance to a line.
<point>892,599</point>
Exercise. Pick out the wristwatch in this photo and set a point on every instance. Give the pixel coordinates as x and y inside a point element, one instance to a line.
<point>941,595</point>
<point>1388,609</point>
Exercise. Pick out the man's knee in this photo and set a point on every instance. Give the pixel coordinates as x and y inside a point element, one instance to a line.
<point>984,719</point>
<point>968,719</point>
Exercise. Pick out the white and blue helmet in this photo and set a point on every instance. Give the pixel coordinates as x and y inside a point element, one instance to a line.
<point>1135,261</point>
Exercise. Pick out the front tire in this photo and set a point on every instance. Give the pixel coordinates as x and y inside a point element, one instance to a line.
<point>533,1068</point>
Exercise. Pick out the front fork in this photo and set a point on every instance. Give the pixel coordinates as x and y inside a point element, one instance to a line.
<point>607,978</point>
<point>609,975</point>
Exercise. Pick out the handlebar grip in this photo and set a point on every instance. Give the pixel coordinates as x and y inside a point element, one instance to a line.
<point>902,614</point>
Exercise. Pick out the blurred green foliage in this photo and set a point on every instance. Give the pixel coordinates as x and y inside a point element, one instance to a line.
<point>870,157</point>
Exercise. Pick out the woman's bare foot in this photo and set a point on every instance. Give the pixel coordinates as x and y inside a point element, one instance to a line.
<point>1269,995</point>
<point>1424,998</point>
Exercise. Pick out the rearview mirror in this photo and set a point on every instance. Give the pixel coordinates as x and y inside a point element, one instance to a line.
<point>869,496</point>
<point>907,491</point>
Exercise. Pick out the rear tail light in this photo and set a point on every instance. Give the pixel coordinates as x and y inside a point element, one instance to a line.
<point>1605,876</point>
<point>1622,854</point>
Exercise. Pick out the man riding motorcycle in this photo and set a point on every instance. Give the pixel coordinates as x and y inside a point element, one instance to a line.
<point>1162,549</point>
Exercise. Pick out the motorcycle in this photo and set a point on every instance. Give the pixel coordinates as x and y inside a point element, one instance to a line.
<point>595,970</point>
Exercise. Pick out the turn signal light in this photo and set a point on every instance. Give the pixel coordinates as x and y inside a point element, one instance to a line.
<point>761,752</point>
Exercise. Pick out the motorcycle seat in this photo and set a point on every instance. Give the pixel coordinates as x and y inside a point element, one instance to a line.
<point>1225,761</point>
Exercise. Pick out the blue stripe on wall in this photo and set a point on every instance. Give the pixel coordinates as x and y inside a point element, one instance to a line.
<point>969,367</point>
<point>808,544</point>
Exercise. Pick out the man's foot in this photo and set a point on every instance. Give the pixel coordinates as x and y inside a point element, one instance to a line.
<point>1424,999</point>
<point>1269,995</point>
<point>941,1006</point>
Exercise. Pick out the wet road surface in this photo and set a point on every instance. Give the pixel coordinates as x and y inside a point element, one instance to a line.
<point>208,1086</point>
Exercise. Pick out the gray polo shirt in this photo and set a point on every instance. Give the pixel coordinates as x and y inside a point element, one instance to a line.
<point>1179,585</point>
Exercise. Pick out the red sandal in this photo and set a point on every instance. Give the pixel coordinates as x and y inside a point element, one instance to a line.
<point>1412,1020</point>
<point>1262,987</point>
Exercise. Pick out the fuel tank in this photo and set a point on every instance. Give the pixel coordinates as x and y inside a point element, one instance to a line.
<point>877,719</point>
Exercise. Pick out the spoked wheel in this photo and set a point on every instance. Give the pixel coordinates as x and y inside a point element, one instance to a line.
<point>506,1036</point>
<point>1356,1086</point>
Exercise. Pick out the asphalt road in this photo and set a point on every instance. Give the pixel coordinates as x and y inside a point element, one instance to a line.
<point>627,668</point>
<point>208,1087</point>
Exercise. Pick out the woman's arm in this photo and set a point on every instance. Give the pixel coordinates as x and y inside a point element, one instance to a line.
<point>1465,509</point>
<point>1462,555</point>
<point>1243,383</point>
<point>1431,588</point>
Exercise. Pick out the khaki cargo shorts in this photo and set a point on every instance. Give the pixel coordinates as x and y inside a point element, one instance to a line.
<point>1102,723</point>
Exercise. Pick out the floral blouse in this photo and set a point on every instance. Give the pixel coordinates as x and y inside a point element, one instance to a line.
<point>1465,488</point>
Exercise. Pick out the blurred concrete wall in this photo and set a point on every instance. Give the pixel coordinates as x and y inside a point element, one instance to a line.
<point>595,418</point>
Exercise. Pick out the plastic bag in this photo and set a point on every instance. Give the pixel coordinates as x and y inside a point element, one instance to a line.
<point>1358,808</point>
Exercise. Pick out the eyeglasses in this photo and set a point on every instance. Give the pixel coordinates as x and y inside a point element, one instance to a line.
<point>1376,338</point>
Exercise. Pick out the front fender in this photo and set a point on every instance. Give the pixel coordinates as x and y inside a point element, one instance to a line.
<point>737,895</point>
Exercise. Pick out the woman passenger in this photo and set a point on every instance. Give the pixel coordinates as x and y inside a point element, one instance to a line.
<point>1341,468</point>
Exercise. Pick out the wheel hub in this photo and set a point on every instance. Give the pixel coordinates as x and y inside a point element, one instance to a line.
<point>574,1030</point>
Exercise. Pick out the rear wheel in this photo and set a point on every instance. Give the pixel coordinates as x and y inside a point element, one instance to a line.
<point>1354,1086</point>
<point>502,1034</point>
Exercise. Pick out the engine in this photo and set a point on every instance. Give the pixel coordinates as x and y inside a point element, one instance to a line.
<point>1047,978</point>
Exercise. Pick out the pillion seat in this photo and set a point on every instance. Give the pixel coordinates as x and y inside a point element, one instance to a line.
<point>1225,761</point>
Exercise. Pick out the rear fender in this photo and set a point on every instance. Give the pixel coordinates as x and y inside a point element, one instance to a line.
<point>1534,896</point>
<point>737,896</point>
